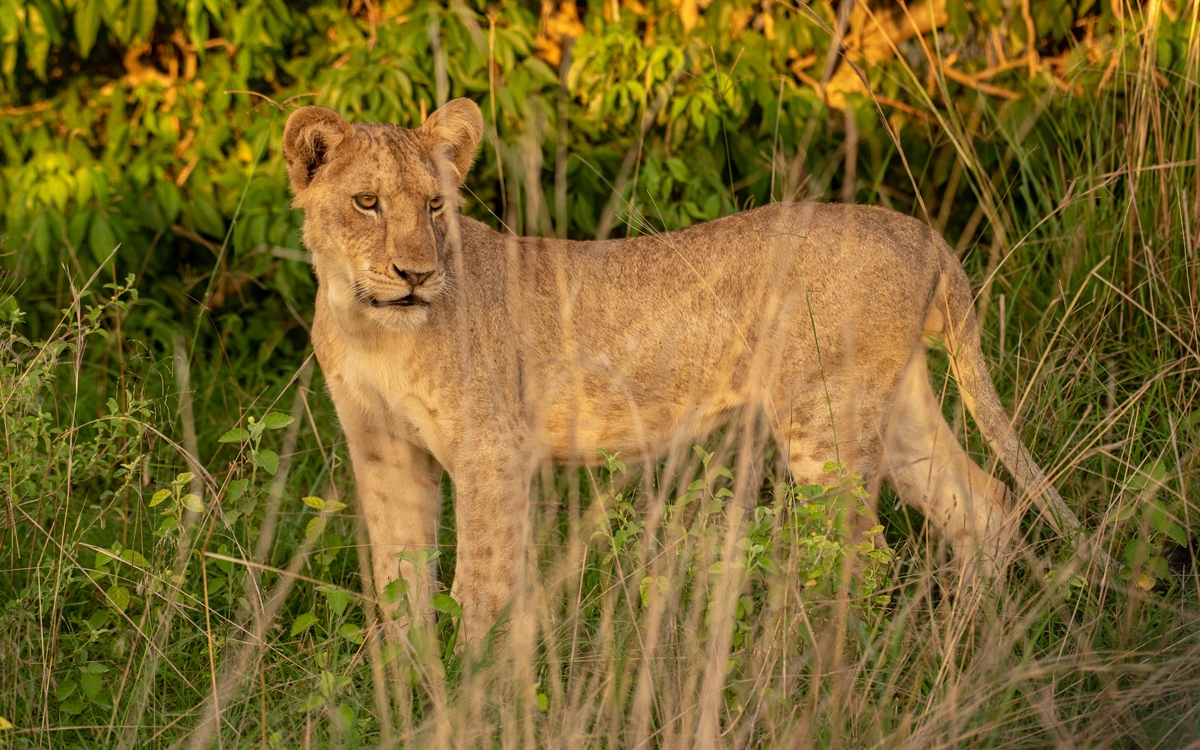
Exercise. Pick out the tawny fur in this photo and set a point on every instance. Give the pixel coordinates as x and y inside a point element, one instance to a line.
<point>499,352</point>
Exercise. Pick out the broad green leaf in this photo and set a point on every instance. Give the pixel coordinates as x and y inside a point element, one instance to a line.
<point>236,435</point>
<point>268,460</point>
<point>446,604</point>
<point>119,597</point>
<point>644,589</point>
<point>237,488</point>
<point>395,591</point>
<point>333,506</point>
<point>135,557</point>
<point>142,14</point>
<point>37,40</point>
<point>193,503</point>
<point>315,528</point>
<point>159,496</point>
<point>183,478</point>
<point>303,623</point>
<point>91,684</point>
<point>65,689</point>
<point>87,25</point>
<point>167,197</point>
<point>314,502</point>
<point>337,599</point>
<point>1177,534</point>
<point>276,421</point>
<point>352,633</point>
<point>101,239</point>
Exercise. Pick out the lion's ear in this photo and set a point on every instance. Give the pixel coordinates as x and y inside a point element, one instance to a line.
<point>309,140</point>
<point>454,132</point>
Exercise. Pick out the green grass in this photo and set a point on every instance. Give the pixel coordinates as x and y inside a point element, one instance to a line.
<point>156,577</point>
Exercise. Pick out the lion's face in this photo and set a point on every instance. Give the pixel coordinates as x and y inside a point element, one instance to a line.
<point>378,205</point>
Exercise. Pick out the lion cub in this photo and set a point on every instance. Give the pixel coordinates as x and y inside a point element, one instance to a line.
<point>448,345</point>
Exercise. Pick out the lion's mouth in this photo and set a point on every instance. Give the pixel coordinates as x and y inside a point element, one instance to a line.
<point>408,300</point>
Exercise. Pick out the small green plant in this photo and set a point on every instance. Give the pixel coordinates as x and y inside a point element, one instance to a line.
<point>252,434</point>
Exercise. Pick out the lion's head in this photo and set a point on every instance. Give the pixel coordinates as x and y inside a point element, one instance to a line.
<point>379,202</point>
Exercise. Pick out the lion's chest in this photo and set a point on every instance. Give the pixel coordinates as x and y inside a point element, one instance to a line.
<point>390,388</point>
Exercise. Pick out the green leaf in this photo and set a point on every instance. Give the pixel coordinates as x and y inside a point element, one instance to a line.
<point>268,460</point>
<point>644,590</point>
<point>395,591</point>
<point>237,488</point>
<point>236,435</point>
<point>118,596</point>
<point>1177,534</point>
<point>314,529</point>
<point>167,197</point>
<point>65,689</point>
<point>71,706</point>
<point>87,25</point>
<point>446,604</point>
<point>159,497</point>
<point>206,215</point>
<point>142,14</point>
<point>193,503</point>
<point>352,633</point>
<point>314,502</point>
<point>543,702</point>
<point>183,478</point>
<point>336,598</point>
<point>303,623</point>
<point>101,238</point>
<point>333,506</point>
<point>276,421</point>
<point>91,684</point>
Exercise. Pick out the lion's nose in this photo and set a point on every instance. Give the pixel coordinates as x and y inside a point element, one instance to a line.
<point>414,278</point>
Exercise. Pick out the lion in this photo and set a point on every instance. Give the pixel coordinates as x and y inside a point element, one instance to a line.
<point>447,345</point>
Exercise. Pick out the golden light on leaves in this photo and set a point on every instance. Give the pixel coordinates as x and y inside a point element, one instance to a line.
<point>558,23</point>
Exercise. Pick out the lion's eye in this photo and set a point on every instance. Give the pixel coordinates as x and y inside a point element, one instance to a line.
<point>366,201</point>
<point>436,204</point>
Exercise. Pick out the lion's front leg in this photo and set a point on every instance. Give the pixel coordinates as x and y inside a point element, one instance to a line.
<point>399,499</point>
<point>492,517</point>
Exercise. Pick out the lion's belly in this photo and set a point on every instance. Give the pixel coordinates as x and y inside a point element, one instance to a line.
<point>612,413</point>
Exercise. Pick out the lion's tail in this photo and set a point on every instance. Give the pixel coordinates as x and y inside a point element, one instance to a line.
<point>960,332</point>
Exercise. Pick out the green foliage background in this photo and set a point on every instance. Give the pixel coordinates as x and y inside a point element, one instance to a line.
<point>147,234</point>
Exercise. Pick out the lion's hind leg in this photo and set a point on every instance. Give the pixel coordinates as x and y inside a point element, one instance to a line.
<point>825,445</point>
<point>932,473</point>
